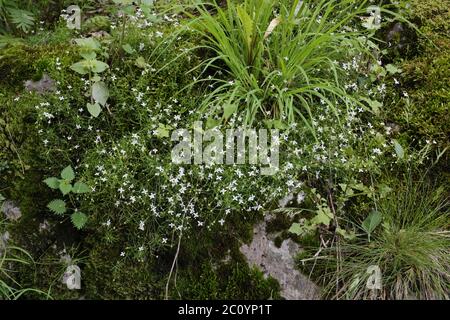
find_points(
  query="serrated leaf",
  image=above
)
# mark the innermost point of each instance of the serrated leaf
(80, 187)
(399, 149)
(100, 93)
(371, 222)
(79, 219)
(52, 182)
(57, 206)
(68, 174)
(65, 187)
(94, 109)
(296, 229)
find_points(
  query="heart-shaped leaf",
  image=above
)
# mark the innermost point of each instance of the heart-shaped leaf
(94, 109)
(100, 93)
(79, 219)
(57, 206)
(52, 182)
(65, 187)
(68, 174)
(80, 187)
(371, 222)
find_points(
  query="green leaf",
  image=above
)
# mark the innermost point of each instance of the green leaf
(296, 229)
(88, 44)
(324, 216)
(371, 222)
(2, 198)
(163, 131)
(98, 66)
(128, 48)
(94, 109)
(65, 187)
(68, 174)
(228, 110)
(80, 187)
(52, 182)
(247, 25)
(211, 123)
(57, 206)
(392, 69)
(140, 63)
(345, 234)
(100, 93)
(79, 219)
(21, 18)
(88, 55)
(80, 67)
(399, 149)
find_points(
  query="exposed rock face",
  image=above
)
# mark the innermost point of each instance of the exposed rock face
(46, 84)
(279, 263)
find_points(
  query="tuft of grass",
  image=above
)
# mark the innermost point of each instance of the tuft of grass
(411, 247)
(279, 58)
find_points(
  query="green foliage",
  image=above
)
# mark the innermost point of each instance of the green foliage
(66, 187)
(411, 247)
(371, 222)
(278, 67)
(20, 18)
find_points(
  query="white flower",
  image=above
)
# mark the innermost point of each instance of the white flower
(142, 225)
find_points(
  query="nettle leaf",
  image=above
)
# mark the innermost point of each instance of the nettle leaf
(79, 219)
(399, 149)
(57, 206)
(65, 187)
(229, 109)
(68, 174)
(371, 222)
(100, 93)
(52, 182)
(296, 229)
(94, 109)
(80, 187)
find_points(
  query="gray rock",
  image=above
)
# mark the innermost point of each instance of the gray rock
(279, 263)
(46, 84)
(11, 210)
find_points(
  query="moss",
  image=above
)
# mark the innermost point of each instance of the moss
(227, 281)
